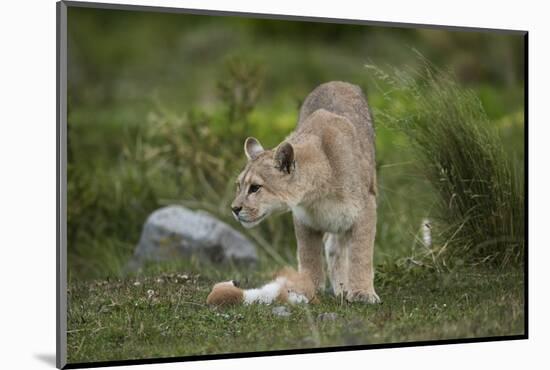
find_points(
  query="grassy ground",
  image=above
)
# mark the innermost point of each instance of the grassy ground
(164, 314)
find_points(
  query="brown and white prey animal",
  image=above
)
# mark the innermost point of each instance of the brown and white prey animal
(287, 286)
(324, 173)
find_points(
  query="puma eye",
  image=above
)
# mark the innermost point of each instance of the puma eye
(254, 188)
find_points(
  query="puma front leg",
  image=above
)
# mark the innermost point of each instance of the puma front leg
(360, 244)
(310, 253)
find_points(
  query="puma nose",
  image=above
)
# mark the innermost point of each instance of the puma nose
(236, 210)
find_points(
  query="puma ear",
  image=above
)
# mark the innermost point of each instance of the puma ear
(284, 157)
(252, 148)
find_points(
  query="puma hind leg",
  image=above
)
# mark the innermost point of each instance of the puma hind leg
(337, 263)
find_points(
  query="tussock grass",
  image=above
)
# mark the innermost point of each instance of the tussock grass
(480, 194)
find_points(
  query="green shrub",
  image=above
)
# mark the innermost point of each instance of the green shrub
(189, 158)
(480, 194)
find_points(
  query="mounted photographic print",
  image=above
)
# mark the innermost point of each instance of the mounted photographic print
(235, 185)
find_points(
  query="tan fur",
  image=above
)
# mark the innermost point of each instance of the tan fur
(225, 294)
(297, 282)
(324, 172)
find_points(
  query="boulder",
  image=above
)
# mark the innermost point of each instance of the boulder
(177, 232)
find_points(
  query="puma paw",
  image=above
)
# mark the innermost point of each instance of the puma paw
(369, 297)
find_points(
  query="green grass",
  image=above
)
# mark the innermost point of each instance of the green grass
(118, 319)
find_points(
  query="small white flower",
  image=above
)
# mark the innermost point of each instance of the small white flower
(150, 293)
(137, 283)
(427, 233)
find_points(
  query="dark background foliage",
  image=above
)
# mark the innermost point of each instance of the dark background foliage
(160, 104)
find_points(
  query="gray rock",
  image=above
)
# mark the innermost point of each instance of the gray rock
(327, 316)
(177, 232)
(280, 311)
